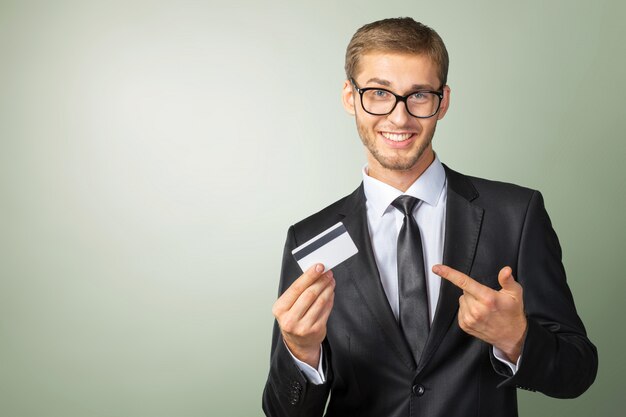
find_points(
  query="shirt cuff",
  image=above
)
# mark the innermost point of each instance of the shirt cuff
(499, 355)
(315, 376)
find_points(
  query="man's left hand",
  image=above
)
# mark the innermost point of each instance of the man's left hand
(496, 317)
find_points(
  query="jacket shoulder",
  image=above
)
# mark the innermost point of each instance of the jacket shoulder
(503, 190)
(316, 223)
(482, 190)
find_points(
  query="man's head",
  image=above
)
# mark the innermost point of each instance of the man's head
(398, 57)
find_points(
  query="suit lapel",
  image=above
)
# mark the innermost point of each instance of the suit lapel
(363, 271)
(463, 222)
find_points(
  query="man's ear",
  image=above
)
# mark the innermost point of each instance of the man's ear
(445, 103)
(347, 97)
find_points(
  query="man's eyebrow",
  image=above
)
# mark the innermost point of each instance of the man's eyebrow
(379, 81)
(414, 87)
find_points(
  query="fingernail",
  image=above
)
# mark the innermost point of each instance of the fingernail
(436, 269)
(319, 267)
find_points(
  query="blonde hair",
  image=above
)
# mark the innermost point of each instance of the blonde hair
(402, 34)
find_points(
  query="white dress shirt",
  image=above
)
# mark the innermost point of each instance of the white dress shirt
(385, 221)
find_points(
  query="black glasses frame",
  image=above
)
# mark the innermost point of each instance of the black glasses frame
(398, 98)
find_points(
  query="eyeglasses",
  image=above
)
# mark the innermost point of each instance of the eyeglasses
(379, 102)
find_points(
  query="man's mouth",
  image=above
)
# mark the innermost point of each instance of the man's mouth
(396, 137)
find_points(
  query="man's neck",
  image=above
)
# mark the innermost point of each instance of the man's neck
(399, 179)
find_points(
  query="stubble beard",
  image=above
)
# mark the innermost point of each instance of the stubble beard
(396, 162)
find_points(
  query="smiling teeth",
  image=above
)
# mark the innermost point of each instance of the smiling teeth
(396, 137)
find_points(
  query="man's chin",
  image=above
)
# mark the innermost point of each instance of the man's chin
(403, 162)
(397, 164)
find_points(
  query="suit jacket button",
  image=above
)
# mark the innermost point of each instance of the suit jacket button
(418, 390)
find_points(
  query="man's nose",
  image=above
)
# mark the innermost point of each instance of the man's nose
(399, 116)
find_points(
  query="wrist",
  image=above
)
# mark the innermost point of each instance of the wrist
(513, 350)
(307, 354)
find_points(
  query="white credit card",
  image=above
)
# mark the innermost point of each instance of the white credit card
(330, 248)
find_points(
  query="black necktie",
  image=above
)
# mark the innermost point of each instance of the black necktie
(414, 319)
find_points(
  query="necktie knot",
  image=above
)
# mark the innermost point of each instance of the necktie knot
(405, 203)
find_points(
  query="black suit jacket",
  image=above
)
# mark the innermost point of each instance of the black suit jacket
(369, 367)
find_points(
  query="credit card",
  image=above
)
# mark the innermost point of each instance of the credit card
(330, 248)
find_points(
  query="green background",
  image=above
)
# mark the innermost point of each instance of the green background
(153, 155)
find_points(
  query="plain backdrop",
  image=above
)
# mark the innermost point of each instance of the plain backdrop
(153, 155)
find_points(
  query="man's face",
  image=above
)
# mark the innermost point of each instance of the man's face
(397, 141)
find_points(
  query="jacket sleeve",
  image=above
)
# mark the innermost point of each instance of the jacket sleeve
(557, 357)
(287, 391)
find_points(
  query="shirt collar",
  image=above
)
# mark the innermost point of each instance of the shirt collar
(427, 187)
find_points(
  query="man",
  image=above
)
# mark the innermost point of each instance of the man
(457, 296)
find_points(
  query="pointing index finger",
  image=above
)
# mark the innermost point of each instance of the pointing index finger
(464, 282)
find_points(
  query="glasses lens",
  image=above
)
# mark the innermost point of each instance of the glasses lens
(423, 104)
(378, 101)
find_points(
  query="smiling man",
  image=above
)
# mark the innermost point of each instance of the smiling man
(457, 296)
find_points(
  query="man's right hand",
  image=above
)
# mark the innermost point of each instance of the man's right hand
(302, 312)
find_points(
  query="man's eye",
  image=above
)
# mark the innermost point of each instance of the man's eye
(380, 93)
(418, 96)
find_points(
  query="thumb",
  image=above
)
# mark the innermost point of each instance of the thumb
(315, 271)
(506, 280)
